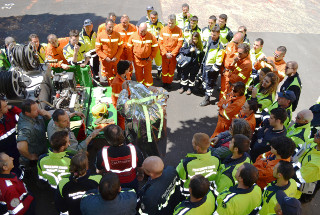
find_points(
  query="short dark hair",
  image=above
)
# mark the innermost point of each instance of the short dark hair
(194, 19)
(266, 70)
(213, 17)
(58, 139)
(280, 114)
(31, 36)
(114, 135)
(286, 169)
(155, 13)
(2, 99)
(223, 16)
(57, 113)
(199, 186)
(253, 105)
(239, 87)
(74, 33)
(111, 14)
(79, 164)
(245, 47)
(249, 174)
(260, 40)
(109, 186)
(284, 145)
(26, 105)
(215, 29)
(185, 5)
(242, 143)
(244, 28)
(241, 126)
(122, 66)
(282, 49)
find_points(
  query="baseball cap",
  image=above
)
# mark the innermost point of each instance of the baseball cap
(150, 8)
(289, 206)
(288, 95)
(87, 22)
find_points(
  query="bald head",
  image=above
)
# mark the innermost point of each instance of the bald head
(201, 141)
(143, 29)
(305, 115)
(238, 37)
(153, 166)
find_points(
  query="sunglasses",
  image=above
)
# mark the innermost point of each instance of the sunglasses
(276, 55)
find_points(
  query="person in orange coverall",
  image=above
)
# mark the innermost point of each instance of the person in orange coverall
(125, 29)
(123, 68)
(248, 111)
(276, 63)
(282, 148)
(170, 42)
(54, 51)
(230, 53)
(229, 107)
(143, 48)
(109, 47)
(240, 69)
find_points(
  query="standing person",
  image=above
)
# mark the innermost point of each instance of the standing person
(230, 107)
(109, 47)
(55, 51)
(199, 163)
(170, 42)
(192, 48)
(32, 141)
(243, 198)
(70, 190)
(88, 37)
(4, 53)
(211, 64)
(75, 52)
(293, 82)
(243, 29)
(283, 172)
(265, 92)
(201, 198)
(147, 17)
(183, 19)
(125, 29)
(276, 63)
(161, 194)
(143, 47)
(40, 48)
(8, 141)
(14, 198)
(226, 34)
(120, 158)
(256, 52)
(287, 205)
(206, 31)
(154, 27)
(111, 16)
(109, 197)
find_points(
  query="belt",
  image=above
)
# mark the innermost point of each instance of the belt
(143, 58)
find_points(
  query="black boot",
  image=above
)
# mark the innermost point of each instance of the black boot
(159, 74)
(206, 101)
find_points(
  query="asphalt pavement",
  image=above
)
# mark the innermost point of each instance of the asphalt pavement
(291, 23)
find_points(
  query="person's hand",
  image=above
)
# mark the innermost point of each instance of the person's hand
(192, 49)
(214, 140)
(250, 88)
(236, 59)
(44, 113)
(254, 92)
(108, 59)
(188, 15)
(169, 55)
(271, 63)
(83, 65)
(33, 157)
(65, 66)
(95, 133)
(76, 48)
(114, 59)
(77, 114)
(125, 84)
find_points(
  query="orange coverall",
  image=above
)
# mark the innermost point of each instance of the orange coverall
(170, 40)
(265, 164)
(250, 119)
(230, 53)
(142, 48)
(109, 46)
(241, 71)
(53, 53)
(280, 65)
(125, 35)
(234, 105)
(116, 89)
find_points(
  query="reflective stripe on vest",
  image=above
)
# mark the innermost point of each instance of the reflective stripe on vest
(133, 159)
(8, 134)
